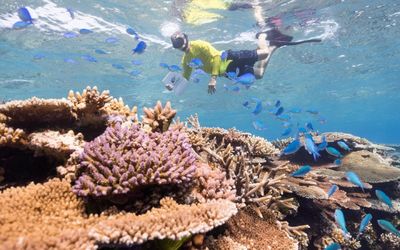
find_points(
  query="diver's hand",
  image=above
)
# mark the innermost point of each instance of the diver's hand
(212, 85)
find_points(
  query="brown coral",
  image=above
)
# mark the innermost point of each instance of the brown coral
(11, 137)
(159, 118)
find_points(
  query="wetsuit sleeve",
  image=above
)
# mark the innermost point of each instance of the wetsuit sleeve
(187, 71)
(215, 65)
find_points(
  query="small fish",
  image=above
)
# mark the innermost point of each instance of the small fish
(301, 171)
(259, 125)
(135, 72)
(337, 162)
(164, 65)
(258, 107)
(287, 131)
(295, 110)
(195, 63)
(283, 117)
(89, 58)
(174, 68)
(277, 103)
(131, 31)
(323, 144)
(302, 130)
(384, 198)
(71, 13)
(279, 111)
(69, 60)
(195, 79)
(235, 88)
(38, 56)
(353, 178)
(312, 111)
(140, 47)
(24, 15)
(332, 190)
(309, 126)
(199, 72)
(100, 52)
(111, 40)
(231, 75)
(246, 79)
(343, 145)
(70, 35)
(117, 66)
(20, 25)
(138, 62)
(340, 220)
(85, 31)
(246, 104)
(224, 55)
(333, 246)
(386, 225)
(364, 223)
(334, 152)
(311, 147)
(292, 148)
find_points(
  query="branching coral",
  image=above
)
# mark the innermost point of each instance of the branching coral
(159, 118)
(10, 136)
(124, 158)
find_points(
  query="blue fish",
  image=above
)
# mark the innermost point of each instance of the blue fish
(287, 131)
(138, 62)
(283, 117)
(231, 75)
(259, 125)
(111, 40)
(100, 52)
(199, 72)
(89, 58)
(20, 25)
(258, 106)
(311, 147)
(71, 13)
(312, 111)
(38, 56)
(224, 55)
(301, 171)
(246, 79)
(323, 144)
(309, 126)
(292, 148)
(140, 47)
(85, 31)
(386, 225)
(295, 110)
(277, 103)
(69, 60)
(135, 72)
(164, 65)
(384, 198)
(353, 178)
(117, 66)
(332, 190)
(24, 15)
(334, 152)
(246, 104)
(174, 68)
(302, 130)
(70, 35)
(278, 111)
(333, 246)
(195, 63)
(343, 145)
(340, 220)
(131, 31)
(364, 223)
(337, 162)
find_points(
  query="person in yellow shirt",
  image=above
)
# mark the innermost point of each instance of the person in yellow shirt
(241, 61)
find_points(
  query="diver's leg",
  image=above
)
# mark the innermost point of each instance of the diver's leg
(264, 53)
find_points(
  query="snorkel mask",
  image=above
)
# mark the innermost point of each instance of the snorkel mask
(180, 41)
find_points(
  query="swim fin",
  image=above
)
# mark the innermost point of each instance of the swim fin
(276, 38)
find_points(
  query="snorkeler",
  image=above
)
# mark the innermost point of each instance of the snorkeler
(217, 64)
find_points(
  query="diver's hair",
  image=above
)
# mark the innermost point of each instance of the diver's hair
(179, 40)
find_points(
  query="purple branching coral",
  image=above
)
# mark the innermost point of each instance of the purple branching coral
(124, 158)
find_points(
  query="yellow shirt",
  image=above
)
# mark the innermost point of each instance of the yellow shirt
(210, 57)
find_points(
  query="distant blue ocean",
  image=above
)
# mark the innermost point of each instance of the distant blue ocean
(350, 82)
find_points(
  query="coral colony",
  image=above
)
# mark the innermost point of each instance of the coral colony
(87, 173)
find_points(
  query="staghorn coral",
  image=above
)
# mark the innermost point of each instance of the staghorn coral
(124, 158)
(171, 220)
(35, 112)
(11, 137)
(159, 118)
(390, 241)
(349, 242)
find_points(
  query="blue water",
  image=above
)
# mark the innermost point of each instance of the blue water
(352, 78)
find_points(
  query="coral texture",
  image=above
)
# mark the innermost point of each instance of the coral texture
(124, 158)
(10, 136)
(159, 118)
